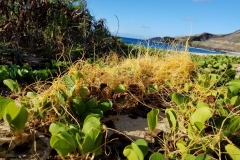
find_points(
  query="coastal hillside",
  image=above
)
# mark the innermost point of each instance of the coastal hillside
(225, 42)
(218, 42)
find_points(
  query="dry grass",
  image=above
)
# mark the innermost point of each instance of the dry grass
(138, 72)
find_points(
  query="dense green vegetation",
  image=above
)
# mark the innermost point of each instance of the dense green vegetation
(52, 29)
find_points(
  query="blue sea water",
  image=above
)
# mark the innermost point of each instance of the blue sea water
(166, 46)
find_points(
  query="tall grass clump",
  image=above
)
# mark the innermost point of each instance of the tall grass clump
(137, 78)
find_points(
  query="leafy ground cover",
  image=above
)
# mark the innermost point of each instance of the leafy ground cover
(64, 113)
(199, 96)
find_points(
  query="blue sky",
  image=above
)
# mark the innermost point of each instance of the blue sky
(159, 18)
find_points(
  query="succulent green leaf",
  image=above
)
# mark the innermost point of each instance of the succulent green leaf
(200, 126)
(69, 84)
(90, 104)
(4, 103)
(201, 115)
(91, 118)
(77, 75)
(201, 63)
(180, 100)
(57, 127)
(233, 151)
(157, 156)
(233, 87)
(152, 88)
(98, 114)
(181, 145)
(235, 100)
(143, 146)
(98, 142)
(202, 104)
(121, 88)
(93, 136)
(31, 94)
(61, 96)
(73, 129)
(63, 143)
(189, 157)
(105, 105)
(203, 157)
(79, 106)
(12, 85)
(87, 145)
(172, 119)
(234, 125)
(152, 118)
(16, 116)
(84, 92)
(138, 151)
(129, 153)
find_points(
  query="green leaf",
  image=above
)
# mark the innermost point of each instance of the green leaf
(230, 73)
(97, 145)
(69, 84)
(234, 125)
(93, 119)
(73, 129)
(16, 116)
(203, 157)
(61, 96)
(43, 74)
(57, 127)
(90, 104)
(77, 75)
(138, 151)
(202, 104)
(129, 153)
(4, 103)
(181, 145)
(233, 87)
(93, 134)
(157, 156)
(87, 145)
(63, 143)
(84, 92)
(152, 118)
(189, 157)
(31, 94)
(180, 100)
(235, 100)
(98, 114)
(233, 151)
(201, 63)
(200, 126)
(143, 146)
(79, 106)
(121, 88)
(105, 105)
(152, 88)
(3, 73)
(22, 72)
(172, 119)
(201, 115)
(12, 85)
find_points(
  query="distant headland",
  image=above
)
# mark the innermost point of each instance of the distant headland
(218, 42)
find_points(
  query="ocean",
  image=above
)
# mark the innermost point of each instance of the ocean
(166, 46)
